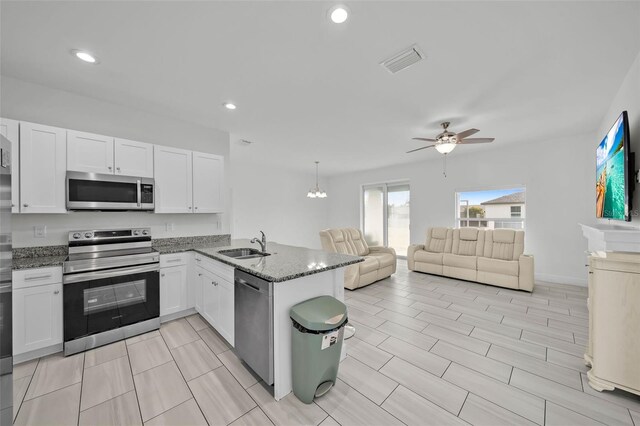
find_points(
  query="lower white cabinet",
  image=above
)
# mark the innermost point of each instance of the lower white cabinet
(173, 289)
(215, 295)
(37, 317)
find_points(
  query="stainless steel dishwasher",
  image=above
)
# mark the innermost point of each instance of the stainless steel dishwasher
(254, 323)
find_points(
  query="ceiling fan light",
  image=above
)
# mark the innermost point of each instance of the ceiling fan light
(445, 148)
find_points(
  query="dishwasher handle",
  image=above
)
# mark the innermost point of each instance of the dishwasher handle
(248, 284)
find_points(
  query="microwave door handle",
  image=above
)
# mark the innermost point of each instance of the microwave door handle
(139, 192)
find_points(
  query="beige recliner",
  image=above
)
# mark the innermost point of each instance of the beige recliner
(492, 256)
(379, 262)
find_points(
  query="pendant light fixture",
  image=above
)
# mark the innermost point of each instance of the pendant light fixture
(316, 192)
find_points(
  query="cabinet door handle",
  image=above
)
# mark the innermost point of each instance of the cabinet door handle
(56, 292)
(198, 260)
(37, 277)
(199, 275)
(162, 275)
(109, 167)
(25, 205)
(189, 207)
(196, 208)
(173, 260)
(118, 169)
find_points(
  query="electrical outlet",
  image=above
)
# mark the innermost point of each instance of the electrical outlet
(40, 231)
(169, 226)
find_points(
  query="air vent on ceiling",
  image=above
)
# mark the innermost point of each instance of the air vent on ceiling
(403, 60)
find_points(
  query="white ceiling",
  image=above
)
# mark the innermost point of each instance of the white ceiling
(308, 89)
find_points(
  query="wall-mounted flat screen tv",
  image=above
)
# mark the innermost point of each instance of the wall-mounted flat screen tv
(613, 183)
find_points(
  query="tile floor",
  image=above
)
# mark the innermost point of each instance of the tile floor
(428, 350)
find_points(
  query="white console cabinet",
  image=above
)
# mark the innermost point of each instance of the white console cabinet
(613, 351)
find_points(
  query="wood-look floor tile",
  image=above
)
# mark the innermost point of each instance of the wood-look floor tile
(368, 381)
(220, 397)
(349, 407)
(177, 333)
(635, 416)
(19, 390)
(506, 396)
(470, 343)
(412, 409)
(194, 359)
(427, 385)
(581, 402)
(148, 354)
(436, 310)
(55, 372)
(197, 322)
(452, 325)
(478, 411)
(367, 334)
(403, 333)
(396, 307)
(540, 329)
(487, 366)
(465, 309)
(551, 342)
(289, 410)
(625, 399)
(255, 417)
(427, 298)
(215, 342)
(242, 372)
(366, 353)
(121, 410)
(363, 306)
(59, 407)
(141, 337)
(24, 369)
(409, 322)
(421, 358)
(160, 389)
(563, 375)
(526, 348)
(186, 414)
(358, 294)
(106, 381)
(567, 360)
(329, 421)
(362, 317)
(104, 354)
(560, 416)
(505, 330)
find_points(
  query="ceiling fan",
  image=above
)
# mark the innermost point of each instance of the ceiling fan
(446, 141)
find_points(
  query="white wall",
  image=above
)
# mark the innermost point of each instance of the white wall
(274, 200)
(21, 100)
(628, 98)
(557, 174)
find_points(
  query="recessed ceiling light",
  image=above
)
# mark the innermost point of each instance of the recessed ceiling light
(229, 105)
(84, 56)
(338, 14)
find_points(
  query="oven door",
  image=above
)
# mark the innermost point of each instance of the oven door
(92, 191)
(100, 301)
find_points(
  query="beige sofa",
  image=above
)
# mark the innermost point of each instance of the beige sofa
(492, 256)
(379, 262)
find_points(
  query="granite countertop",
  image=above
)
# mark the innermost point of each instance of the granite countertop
(37, 262)
(285, 262)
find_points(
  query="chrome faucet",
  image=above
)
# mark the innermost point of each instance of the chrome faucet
(263, 242)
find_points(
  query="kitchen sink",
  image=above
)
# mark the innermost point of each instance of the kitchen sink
(243, 253)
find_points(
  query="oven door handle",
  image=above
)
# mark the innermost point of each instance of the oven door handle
(139, 192)
(97, 275)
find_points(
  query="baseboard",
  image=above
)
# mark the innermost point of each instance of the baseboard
(28, 356)
(176, 315)
(561, 279)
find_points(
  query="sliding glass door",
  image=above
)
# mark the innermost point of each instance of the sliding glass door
(385, 215)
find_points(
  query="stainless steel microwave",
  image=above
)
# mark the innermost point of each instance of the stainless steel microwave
(94, 191)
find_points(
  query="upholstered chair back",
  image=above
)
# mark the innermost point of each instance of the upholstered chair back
(504, 244)
(439, 240)
(468, 242)
(344, 241)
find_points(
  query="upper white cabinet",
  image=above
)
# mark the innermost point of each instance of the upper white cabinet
(208, 175)
(87, 152)
(43, 158)
(90, 153)
(133, 158)
(9, 129)
(173, 179)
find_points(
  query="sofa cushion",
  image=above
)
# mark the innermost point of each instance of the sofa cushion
(469, 234)
(458, 261)
(437, 239)
(355, 238)
(427, 257)
(385, 259)
(370, 264)
(497, 266)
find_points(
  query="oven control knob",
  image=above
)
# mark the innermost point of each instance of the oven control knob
(145, 232)
(76, 235)
(136, 232)
(88, 235)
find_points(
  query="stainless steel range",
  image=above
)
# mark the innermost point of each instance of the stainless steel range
(111, 287)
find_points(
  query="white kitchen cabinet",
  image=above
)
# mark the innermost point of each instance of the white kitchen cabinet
(173, 289)
(196, 287)
(209, 297)
(37, 317)
(225, 320)
(88, 152)
(9, 129)
(173, 180)
(208, 181)
(43, 165)
(217, 306)
(133, 158)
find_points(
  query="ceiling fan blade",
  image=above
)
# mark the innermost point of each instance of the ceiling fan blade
(418, 149)
(466, 133)
(476, 140)
(424, 139)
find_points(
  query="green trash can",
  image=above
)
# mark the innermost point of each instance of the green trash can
(316, 344)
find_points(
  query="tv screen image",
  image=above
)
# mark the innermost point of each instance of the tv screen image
(611, 185)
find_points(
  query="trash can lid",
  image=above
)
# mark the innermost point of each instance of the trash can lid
(320, 313)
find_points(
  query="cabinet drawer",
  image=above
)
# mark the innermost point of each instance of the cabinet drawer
(223, 270)
(175, 259)
(35, 277)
